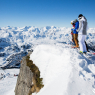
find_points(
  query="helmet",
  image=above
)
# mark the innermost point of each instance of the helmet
(80, 16)
(72, 22)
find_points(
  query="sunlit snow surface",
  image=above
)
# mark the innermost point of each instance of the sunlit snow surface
(63, 69)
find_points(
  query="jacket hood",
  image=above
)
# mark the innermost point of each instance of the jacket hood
(82, 19)
(75, 21)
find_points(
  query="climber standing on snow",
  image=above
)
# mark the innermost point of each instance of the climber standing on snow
(72, 32)
(75, 33)
(82, 32)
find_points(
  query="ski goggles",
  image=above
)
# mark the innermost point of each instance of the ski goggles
(79, 18)
(72, 23)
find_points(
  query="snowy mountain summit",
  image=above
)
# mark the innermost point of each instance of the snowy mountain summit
(63, 69)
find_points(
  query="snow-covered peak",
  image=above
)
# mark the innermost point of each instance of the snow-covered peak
(52, 54)
(64, 70)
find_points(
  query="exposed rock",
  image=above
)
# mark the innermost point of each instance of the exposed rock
(14, 60)
(26, 46)
(2, 54)
(29, 80)
(24, 81)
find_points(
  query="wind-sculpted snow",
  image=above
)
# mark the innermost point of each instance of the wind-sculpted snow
(64, 70)
(16, 39)
(61, 66)
(27, 35)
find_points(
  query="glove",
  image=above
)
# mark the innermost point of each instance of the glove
(71, 30)
(77, 30)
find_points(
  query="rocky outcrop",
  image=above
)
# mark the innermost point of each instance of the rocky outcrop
(29, 80)
(24, 81)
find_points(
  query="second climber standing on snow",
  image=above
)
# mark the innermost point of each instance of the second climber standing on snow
(75, 33)
(82, 32)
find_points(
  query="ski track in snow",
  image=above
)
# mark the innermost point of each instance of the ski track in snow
(52, 46)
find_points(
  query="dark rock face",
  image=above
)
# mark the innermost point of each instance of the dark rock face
(91, 46)
(2, 54)
(14, 60)
(24, 81)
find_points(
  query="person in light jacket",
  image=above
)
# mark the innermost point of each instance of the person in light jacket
(82, 32)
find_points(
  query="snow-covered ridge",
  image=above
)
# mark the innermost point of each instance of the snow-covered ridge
(28, 34)
(15, 40)
(64, 70)
(50, 43)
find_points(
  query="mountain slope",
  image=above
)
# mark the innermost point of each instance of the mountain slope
(54, 56)
(64, 71)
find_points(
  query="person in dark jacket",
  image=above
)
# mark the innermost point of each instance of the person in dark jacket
(72, 32)
(76, 33)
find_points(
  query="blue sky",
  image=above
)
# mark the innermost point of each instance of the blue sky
(41, 13)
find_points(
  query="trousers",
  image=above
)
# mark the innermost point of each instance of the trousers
(82, 45)
(76, 40)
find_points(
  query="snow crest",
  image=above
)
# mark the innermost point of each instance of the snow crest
(64, 71)
(54, 65)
